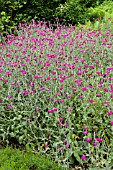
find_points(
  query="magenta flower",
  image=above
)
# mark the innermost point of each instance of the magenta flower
(83, 157)
(1, 70)
(90, 87)
(61, 118)
(48, 78)
(59, 124)
(12, 103)
(36, 108)
(109, 113)
(98, 139)
(98, 95)
(42, 88)
(66, 146)
(86, 71)
(54, 78)
(69, 109)
(88, 139)
(5, 81)
(62, 80)
(111, 91)
(31, 85)
(61, 88)
(58, 94)
(91, 101)
(64, 140)
(111, 96)
(40, 62)
(9, 107)
(46, 145)
(60, 149)
(80, 96)
(85, 127)
(54, 109)
(53, 72)
(84, 89)
(106, 103)
(98, 72)
(17, 87)
(50, 111)
(23, 71)
(92, 67)
(79, 73)
(86, 65)
(94, 143)
(79, 84)
(106, 90)
(62, 100)
(35, 115)
(13, 83)
(66, 124)
(8, 73)
(108, 46)
(111, 122)
(40, 76)
(8, 55)
(54, 155)
(9, 97)
(35, 76)
(26, 92)
(68, 96)
(82, 60)
(79, 68)
(56, 101)
(74, 89)
(85, 132)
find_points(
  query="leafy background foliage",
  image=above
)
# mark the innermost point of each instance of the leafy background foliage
(14, 12)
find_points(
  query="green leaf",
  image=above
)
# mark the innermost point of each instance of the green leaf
(21, 138)
(24, 123)
(107, 140)
(71, 159)
(12, 134)
(4, 136)
(103, 152)
(76, 143)
(27, 147)
(3, 13)
(20, 6)
(77, 157)
(56, 143)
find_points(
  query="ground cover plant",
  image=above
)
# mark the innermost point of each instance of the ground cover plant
(56, 93)
(15, 159)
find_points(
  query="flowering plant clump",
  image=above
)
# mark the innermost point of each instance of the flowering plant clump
(56, 93)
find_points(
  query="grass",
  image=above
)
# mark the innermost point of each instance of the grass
(56, 94)
(14, 159)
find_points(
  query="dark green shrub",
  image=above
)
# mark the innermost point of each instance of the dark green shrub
(72, 12)
(9, 9)
(90, 3)
(13, 12)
